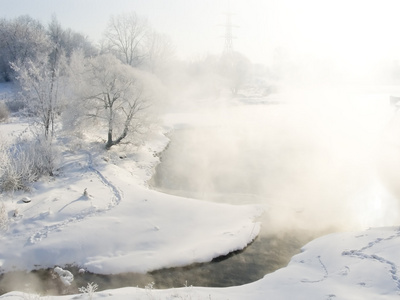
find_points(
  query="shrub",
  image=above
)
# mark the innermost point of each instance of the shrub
(4, 112)
(46, 158)
(25, 162)
(3, 218)
(17, 170)
(90, 289)
(15, 105)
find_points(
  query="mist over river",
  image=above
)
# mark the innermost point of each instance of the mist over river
(317, 161)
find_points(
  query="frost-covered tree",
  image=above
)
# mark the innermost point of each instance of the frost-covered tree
(21, 39)
(67, 41)
(115, 94)
(235, 68)
(24, 38)
(125, 37)
(42, 83)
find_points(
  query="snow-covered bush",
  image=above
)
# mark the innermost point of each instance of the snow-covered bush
(66, 276)
(32, 297)
(25, 162)
(15, 104)
(17, 170)
(149, 288)
(4, 112)
(3, 218)
(46, 157)
(90, 289)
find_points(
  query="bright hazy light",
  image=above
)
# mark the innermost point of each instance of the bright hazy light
(351, 32)
(352, 36)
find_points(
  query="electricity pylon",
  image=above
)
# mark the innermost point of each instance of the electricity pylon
(228, 46)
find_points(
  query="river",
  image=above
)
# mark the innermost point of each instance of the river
(311, 162)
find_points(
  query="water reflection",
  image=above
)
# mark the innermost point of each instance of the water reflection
(265, 255)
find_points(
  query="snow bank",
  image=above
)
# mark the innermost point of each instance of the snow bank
(354, 265)
(99, 215)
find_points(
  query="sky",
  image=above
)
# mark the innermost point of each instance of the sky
(349, 31)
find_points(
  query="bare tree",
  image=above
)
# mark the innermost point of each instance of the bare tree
(115, 93)
(125, 37)
(159, 51)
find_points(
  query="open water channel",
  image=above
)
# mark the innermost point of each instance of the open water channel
(308, 165)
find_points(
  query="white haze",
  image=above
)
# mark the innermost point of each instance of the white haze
(349, 33)
(319, 159)
(323, 156)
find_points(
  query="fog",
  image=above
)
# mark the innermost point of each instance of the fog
(320, 159)
(319, 148)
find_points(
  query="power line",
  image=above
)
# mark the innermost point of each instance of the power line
(228, 36)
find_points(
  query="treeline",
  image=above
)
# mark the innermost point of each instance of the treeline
(25, 39)
(129, 37)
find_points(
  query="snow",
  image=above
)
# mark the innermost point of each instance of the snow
(66, 276)
(121, 226)
(352, 265)
(99, 214)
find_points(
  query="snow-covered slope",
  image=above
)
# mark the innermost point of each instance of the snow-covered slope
(97, 215)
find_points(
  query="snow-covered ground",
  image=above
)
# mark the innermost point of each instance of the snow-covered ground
(99, 214)
(120, 225)
(356, 265)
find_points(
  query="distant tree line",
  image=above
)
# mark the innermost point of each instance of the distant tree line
(25, 39)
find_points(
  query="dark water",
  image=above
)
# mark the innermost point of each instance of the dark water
(265, 255)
